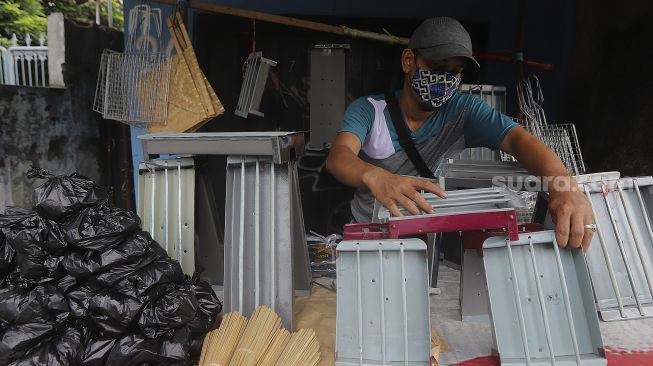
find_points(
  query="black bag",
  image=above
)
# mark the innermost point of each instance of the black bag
(136, 350)
(42, 304)
(15, 340)
(100, 227)
(61, 349)
(132, 254)
(63, 195)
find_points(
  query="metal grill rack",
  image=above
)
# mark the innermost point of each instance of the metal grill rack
(561, 138)
(257, 68)
(133, 86)
(457, 174)
(532, 285)
(383, 304)
(620, 257)
(466, 200)
(463, 174)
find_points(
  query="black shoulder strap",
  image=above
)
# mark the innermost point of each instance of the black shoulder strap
(405, 140)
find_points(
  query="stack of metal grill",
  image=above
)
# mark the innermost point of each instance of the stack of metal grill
(561, 138)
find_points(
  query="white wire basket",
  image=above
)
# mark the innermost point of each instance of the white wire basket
(133, 86)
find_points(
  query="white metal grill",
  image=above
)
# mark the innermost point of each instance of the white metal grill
(257, 68)
(133, 86)
(532, 285)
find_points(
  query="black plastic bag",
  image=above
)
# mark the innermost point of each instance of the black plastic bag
(208, 308)
(7, 258)
(96, 351)
(134, 350)
(42, 304)
(15, 340)
(100, 227)
(176, 307)
(208, 301)
(13, 215)
(63, 195)
(112, 310)
(78, 299)
(134, 253)
(38, 244)
(148, 281)
(62, 349)
(65, 283)
(35, 229)
(90, 288)
(111, 313)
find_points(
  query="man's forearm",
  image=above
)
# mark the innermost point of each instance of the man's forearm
(348, 168)
(538, 159)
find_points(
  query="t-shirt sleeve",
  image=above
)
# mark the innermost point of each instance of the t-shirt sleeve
(485, 126)
(358, 118)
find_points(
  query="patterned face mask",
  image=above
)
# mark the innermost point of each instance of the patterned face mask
(434, 87)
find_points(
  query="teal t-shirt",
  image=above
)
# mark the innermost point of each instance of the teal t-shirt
(484, 126)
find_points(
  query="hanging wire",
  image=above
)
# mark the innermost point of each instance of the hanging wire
(253, 53)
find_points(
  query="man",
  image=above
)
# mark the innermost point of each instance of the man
(368, 154)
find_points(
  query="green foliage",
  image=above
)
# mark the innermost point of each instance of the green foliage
(21, 17)
(84, 10)
(30, 16)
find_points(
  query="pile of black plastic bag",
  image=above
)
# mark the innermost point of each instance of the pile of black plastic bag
(82, 284)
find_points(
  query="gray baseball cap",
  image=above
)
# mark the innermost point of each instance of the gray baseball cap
(442, 37)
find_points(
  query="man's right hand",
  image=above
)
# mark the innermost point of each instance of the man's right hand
(394, 190)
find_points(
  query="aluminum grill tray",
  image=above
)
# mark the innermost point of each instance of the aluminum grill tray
(462, 201)
(620, 257)
(541, 303)
(455, 174)
(383, 303)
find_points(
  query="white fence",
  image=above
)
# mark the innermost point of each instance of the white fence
(24, 65)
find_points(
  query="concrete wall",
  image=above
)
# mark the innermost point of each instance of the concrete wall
(56, 128)
(37, 128)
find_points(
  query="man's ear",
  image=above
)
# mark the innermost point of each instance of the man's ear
(407, 60)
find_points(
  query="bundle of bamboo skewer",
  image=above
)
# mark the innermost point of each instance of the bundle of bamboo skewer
(219, 345)
(260, 341)
(303, 349)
